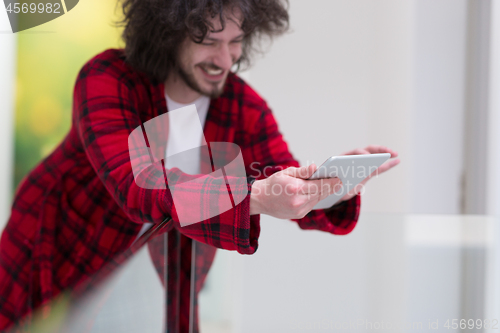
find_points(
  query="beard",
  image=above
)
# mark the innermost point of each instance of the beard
(190, 80)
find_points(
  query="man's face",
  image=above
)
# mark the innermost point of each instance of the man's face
(204, 67)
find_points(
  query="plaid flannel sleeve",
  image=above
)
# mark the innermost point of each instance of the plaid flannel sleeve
(105, 115)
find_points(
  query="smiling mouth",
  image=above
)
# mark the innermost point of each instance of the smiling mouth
(212, 71)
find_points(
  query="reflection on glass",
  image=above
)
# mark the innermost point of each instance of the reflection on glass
(394, 273)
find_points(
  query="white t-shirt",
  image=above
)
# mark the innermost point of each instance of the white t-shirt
(185, 132)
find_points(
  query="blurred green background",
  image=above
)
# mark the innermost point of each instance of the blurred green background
(49, 58)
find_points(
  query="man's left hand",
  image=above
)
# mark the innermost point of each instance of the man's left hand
(372, 149)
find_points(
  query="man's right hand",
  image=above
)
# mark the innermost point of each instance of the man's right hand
(288, 194)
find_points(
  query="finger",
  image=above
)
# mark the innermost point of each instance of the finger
(290, 171)
(304, 172)
(334, 186)
(388, 165)
(329, 186)
(350, 152)
(321, 187)
(359, 188)
(377, 149)
(383, 168)
(313, 199)
(312, 169)
(326, 183)
(311, 187)
(357, 151)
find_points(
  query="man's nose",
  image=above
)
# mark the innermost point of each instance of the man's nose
(224, 58)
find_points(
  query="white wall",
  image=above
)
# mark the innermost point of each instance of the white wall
(7, 91)
(341, 80)
(354, 73)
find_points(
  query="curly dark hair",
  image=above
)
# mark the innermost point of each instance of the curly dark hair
(154, 29)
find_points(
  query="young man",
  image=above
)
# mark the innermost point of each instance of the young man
(82, 207)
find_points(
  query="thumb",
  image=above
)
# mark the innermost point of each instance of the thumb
(303, 172)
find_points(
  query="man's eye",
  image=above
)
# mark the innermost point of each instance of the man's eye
(237, 41)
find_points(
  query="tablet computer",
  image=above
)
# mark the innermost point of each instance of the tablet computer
(351, 169)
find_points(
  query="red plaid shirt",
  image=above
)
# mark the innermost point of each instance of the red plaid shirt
(80, 207)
